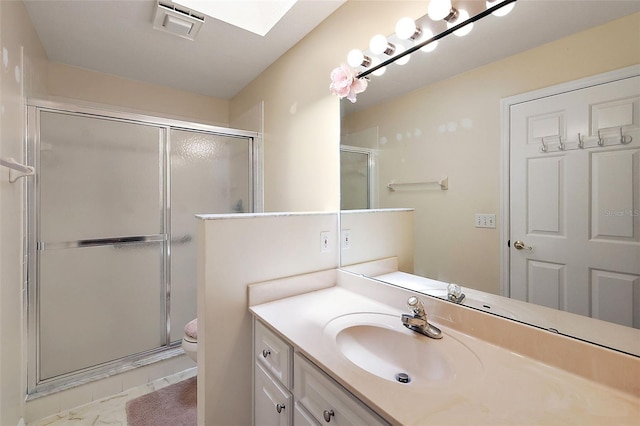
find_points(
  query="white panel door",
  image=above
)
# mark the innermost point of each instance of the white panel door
(575, 201)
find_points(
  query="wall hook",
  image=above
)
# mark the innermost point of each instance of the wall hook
(580, 141)
(543, 148)
(600, 139)
(625, 139)
(561, 145)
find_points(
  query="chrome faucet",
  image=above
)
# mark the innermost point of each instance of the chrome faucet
(454, 293)
(418, 321)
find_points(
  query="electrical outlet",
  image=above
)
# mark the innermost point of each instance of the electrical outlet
(346, 238)
(324, 241)
(485, 220)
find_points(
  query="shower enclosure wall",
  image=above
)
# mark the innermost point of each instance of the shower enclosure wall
(111, 253)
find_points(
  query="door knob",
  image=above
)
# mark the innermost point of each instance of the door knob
(520, 245)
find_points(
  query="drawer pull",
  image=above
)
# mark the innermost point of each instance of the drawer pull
(266, 352)
(327, 415)
(279, 408)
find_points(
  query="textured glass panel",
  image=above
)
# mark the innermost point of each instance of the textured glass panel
(209, 174)
(98, 178)
(98, 304)
(354, 180)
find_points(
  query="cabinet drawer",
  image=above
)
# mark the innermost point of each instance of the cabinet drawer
(326, 400)
(273, 353)
(273, 403)
(301, 417)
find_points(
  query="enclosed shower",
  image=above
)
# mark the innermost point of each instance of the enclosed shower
(110, 247)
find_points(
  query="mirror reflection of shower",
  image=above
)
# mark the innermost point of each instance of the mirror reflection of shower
(357, 178)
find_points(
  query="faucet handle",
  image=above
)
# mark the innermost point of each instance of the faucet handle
(415, 306)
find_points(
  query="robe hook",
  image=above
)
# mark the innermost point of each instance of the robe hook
(543, 148)
(625, 139)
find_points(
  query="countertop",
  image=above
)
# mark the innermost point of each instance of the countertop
(509, 388)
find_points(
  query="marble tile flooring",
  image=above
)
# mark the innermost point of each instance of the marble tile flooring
(109, 410)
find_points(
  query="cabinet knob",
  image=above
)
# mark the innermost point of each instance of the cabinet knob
(279, 408)
(266, 352)
(327, 415)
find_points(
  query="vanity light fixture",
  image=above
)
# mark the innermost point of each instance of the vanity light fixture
(404, 59)
(427, 34)
(379, 70)
(356, 58)
(442, 9)
(500, 12)
(463, 15)
(457, 21)
(406, 29)
(379, 45)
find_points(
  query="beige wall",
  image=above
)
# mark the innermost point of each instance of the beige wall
(234, 251)
(302, 128)
(23, 75)
(367, 228)
(448, 247)
(67, 82)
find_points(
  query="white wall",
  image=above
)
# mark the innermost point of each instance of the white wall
(235, 251)
(21, 76)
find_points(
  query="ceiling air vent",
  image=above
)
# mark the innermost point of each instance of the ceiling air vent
(177, 20)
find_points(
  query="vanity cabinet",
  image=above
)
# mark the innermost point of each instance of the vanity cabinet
(290, 390)
(326, 400)
(273, 404)
(272, 398)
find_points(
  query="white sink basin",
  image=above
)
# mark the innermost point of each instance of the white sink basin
(381, 345)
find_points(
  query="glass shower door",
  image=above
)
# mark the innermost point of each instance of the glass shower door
(210, 173)
(100, 242)
(354, 179)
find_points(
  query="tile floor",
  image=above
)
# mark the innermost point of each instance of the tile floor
(110, 410)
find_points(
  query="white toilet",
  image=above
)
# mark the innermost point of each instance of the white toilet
(190, 339)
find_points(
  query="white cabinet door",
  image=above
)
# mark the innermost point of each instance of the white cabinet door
(273, 353)
(273, 403)
(575, 201)
(301, 417)
(326, 400)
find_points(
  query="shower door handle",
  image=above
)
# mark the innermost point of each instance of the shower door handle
(98, 242)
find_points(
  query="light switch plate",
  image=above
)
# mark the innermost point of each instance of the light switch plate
(484, 220)
(324, 241)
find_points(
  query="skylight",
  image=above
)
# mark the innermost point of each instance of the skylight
(257, 16)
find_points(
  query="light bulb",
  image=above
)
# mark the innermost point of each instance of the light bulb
(356, 58)
(463, 15)
(426, 35)
(379, 45)
(405, 58)
(406, 29)
(439, 9)
(379, 72)
(503, 10)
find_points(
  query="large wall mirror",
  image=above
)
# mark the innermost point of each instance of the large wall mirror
(435, 136)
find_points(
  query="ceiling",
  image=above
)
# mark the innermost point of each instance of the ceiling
(117, 37)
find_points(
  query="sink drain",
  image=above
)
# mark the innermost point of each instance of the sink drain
(403, 378)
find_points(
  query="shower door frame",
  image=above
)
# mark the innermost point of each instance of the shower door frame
(37, 387)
